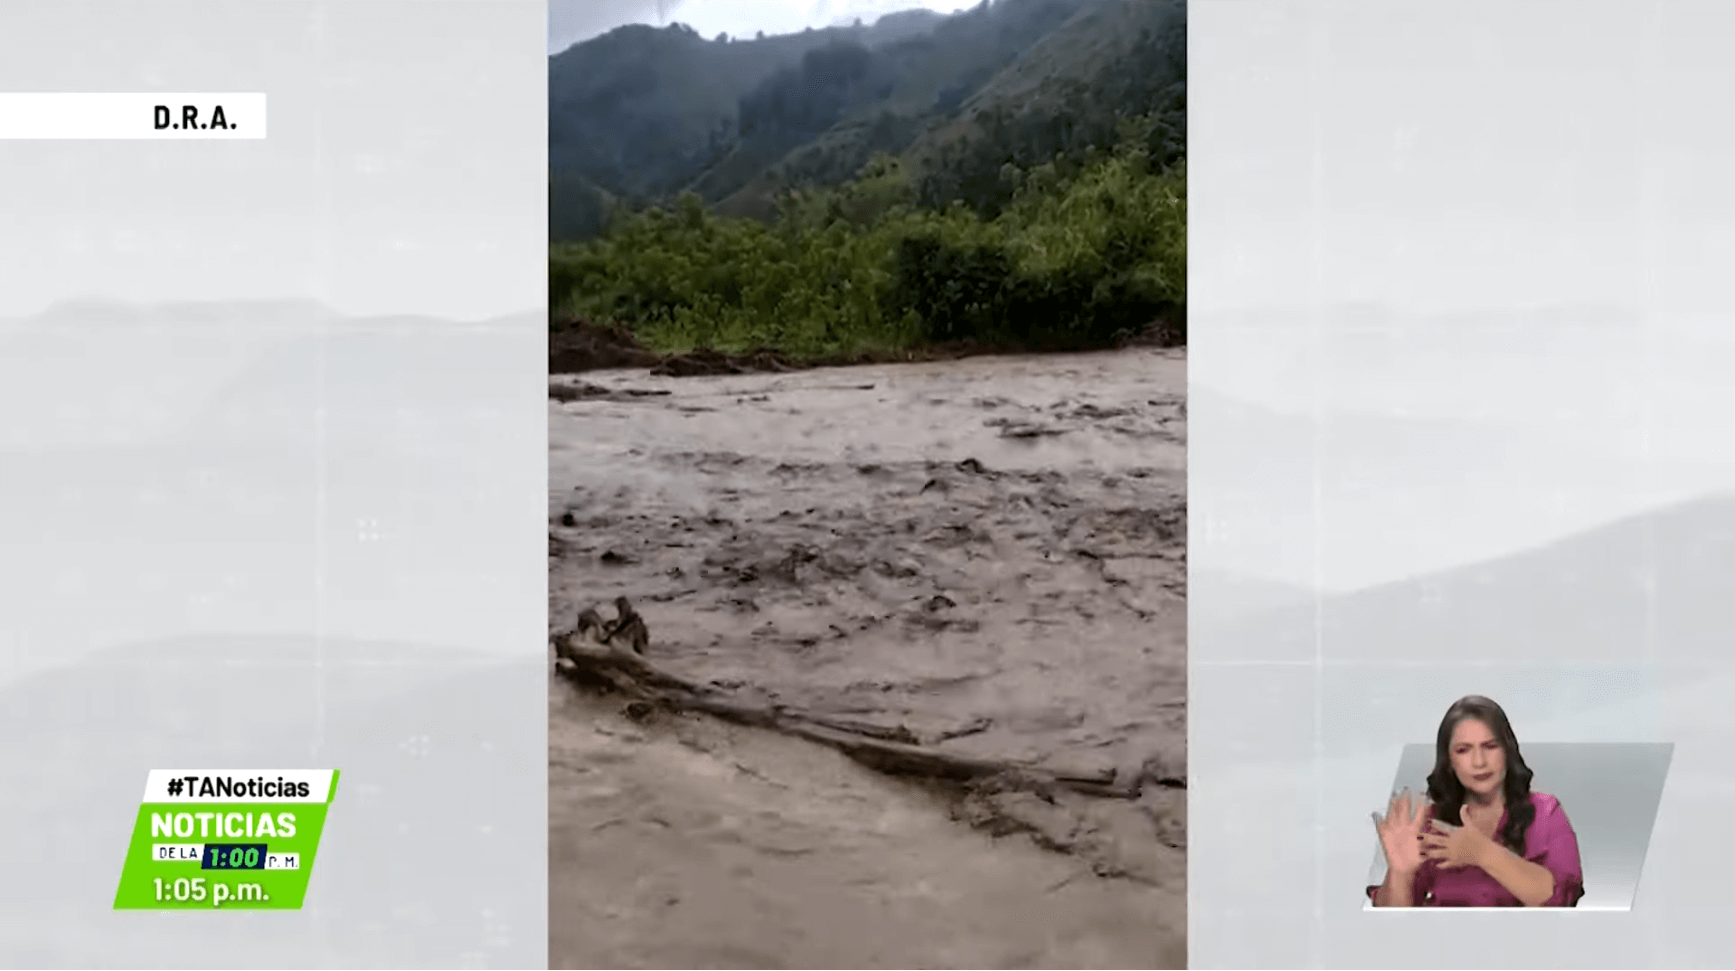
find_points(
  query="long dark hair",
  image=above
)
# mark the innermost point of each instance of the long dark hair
(1446, 791)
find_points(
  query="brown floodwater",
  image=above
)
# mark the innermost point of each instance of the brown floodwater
(989, 552)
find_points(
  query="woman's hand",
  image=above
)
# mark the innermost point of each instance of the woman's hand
(1455, 846)
(1401, 832)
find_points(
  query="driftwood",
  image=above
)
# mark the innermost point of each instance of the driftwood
(589, 657)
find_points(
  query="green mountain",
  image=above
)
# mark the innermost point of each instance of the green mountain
(642, 114)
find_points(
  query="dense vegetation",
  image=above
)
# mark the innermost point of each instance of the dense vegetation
(639, 114)
(1084, 250)
(1013, 175)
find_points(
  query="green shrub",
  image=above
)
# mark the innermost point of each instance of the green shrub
(1084, 251)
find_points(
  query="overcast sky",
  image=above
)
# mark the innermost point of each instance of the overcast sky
(570, 21)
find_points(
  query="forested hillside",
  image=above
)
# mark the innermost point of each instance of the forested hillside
(641, 114)
(1012, 173)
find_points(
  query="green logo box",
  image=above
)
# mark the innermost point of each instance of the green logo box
(225, 839)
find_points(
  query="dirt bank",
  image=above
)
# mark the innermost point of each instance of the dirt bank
(578, 345)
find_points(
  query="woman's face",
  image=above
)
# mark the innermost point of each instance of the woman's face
(1477, 757)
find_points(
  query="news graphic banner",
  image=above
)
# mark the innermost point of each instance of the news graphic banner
(56, 116)
(225, 839)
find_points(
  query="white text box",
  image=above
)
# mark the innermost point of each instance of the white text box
(80, 115)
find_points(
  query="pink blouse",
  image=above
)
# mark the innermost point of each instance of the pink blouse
(1549, 842)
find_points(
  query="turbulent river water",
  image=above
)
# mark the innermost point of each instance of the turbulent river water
(989, 553)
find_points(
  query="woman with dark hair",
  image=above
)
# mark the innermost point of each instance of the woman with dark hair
(1482, 838)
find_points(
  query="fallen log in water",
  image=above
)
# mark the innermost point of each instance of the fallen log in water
(895, 751)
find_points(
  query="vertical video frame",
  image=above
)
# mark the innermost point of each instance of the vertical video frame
(867, 438)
